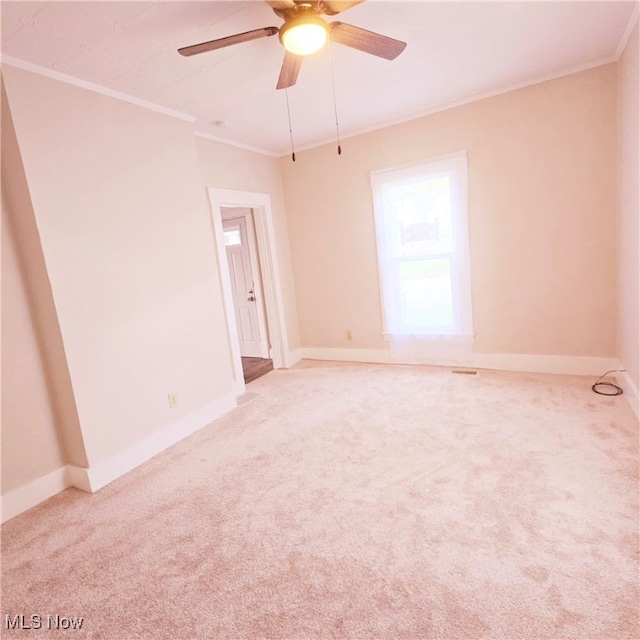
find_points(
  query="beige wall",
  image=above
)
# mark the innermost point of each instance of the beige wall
(116, 223)
(126, 237)
(40, 428)
(30, 443)
(629, 194)
(542, 209)
(226, 167)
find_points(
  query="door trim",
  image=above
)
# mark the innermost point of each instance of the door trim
(260, 203)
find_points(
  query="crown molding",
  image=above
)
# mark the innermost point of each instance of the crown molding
(445, 106)
(627, 32)
(238, 145)
(96, 88)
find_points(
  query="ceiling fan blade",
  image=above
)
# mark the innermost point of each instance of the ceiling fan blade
(211, 45)
(289, 72)
(280, 5)
(332, 7)
(367, 41)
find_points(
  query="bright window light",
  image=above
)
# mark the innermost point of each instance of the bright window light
(424, 260)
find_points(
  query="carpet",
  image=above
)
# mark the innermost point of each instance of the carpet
(355, 501)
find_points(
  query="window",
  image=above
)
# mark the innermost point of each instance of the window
(423, 255)
(232, 238)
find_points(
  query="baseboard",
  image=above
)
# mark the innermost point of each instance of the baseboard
(293, 357)
(78, 477)
(374, 356)
(90, 480)
(566, 365)
(102, 474)
(24, 498)
(630, 391)
(571, 365)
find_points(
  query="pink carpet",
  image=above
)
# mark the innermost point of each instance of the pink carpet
(356, 502)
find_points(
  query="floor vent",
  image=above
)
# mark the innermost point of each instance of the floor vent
(466, 372)
(248, 397)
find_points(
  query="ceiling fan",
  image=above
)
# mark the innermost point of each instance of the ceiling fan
(304, 32)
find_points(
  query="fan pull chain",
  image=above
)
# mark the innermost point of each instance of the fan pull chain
(335, 108)
(293, 153)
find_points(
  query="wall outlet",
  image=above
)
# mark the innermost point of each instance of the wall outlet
(173, 400)
(349, 334)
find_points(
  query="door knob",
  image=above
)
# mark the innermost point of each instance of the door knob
(251, 299)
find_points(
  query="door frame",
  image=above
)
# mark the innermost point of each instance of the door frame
(260, 204)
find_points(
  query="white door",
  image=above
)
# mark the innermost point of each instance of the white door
(243, 287)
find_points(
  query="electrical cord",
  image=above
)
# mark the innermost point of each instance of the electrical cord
(617, 391)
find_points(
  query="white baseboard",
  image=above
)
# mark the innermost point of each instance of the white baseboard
(566, 365)
(90, 480)
(630, 391)
(102, 474)
(24, 498)
(375, 356)
(571, 365)
(78, 477)
(292, 358)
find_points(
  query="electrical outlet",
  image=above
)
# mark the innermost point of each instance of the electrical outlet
(349, 334)
(173, 400)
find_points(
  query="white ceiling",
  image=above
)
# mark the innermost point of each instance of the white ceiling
(456, 51)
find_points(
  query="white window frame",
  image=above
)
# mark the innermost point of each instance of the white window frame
(455, 165)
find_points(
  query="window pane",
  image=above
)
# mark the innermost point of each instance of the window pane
(426, 301)
(232, 238)
(422, 212)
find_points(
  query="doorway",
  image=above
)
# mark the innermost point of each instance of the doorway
(259, 205)
(246, 290)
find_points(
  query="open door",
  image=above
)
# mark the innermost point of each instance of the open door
(246, 282)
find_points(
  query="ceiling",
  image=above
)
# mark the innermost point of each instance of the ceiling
(456, 52)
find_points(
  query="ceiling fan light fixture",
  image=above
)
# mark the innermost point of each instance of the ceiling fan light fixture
(303, 38)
